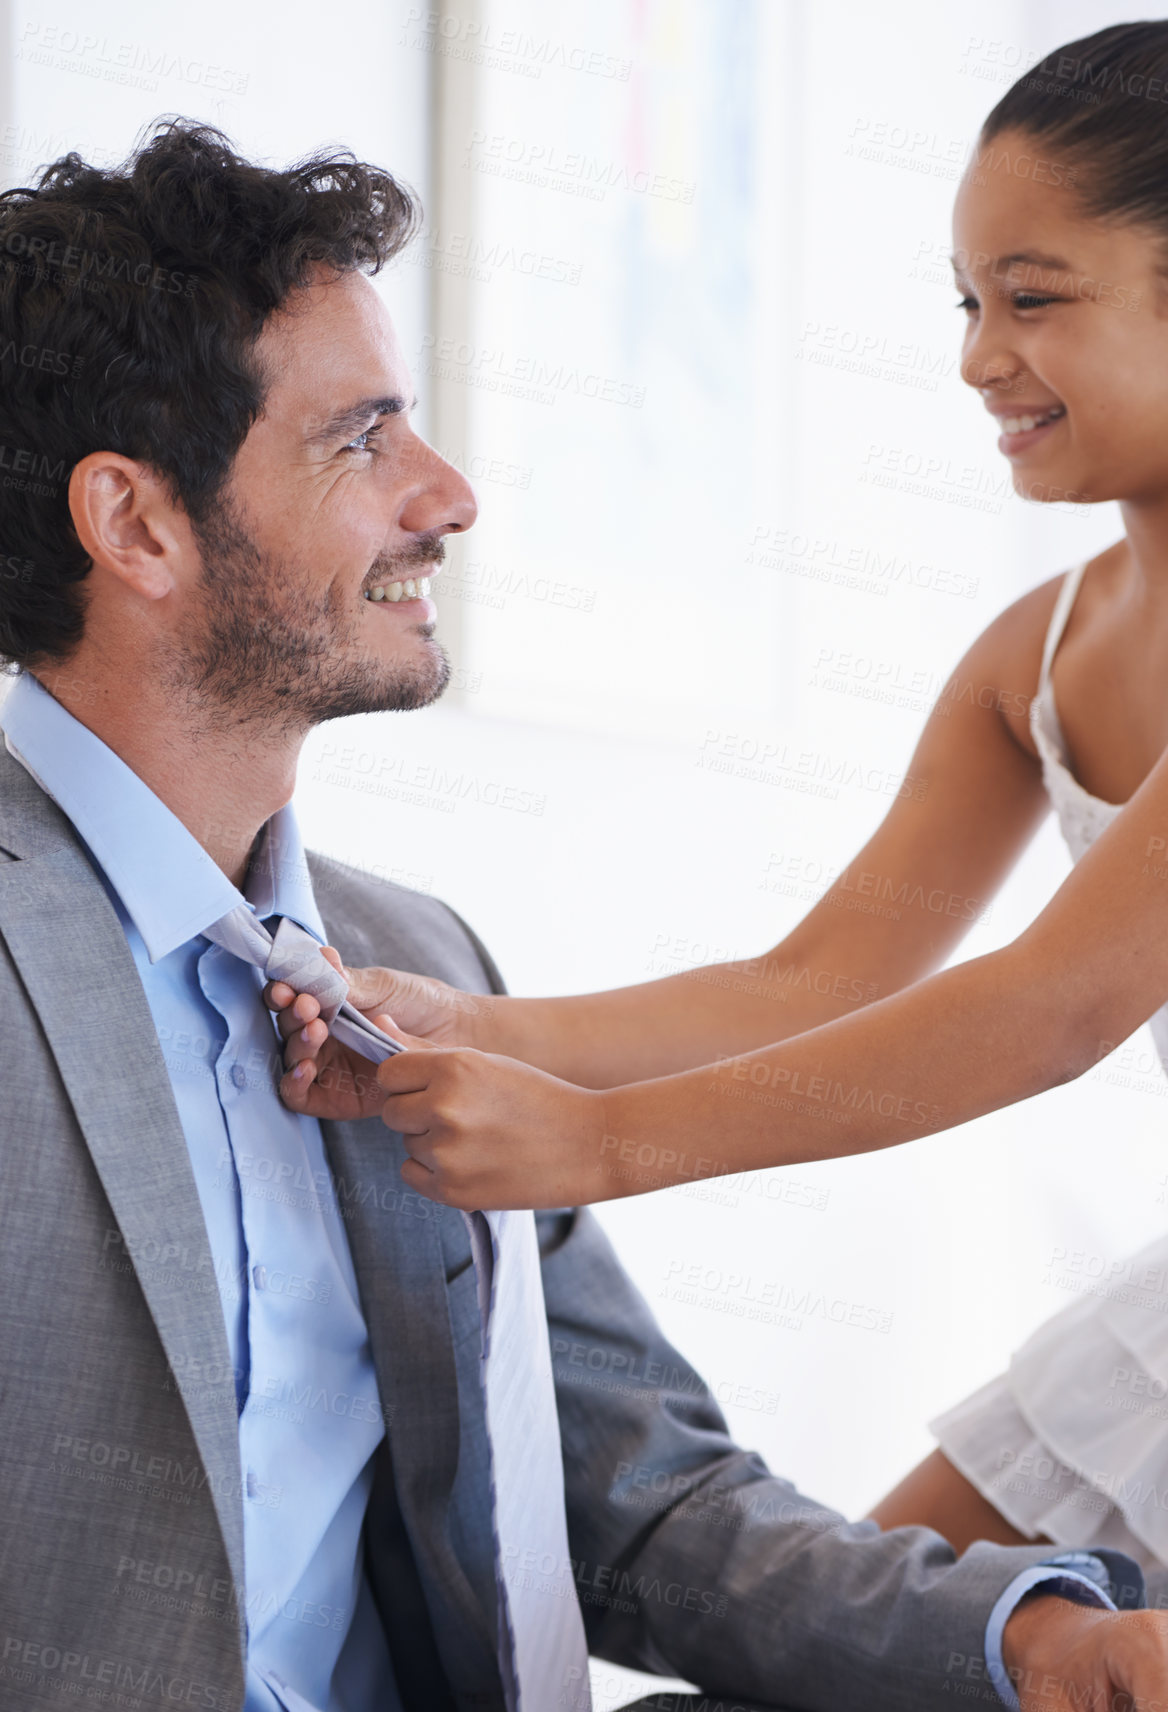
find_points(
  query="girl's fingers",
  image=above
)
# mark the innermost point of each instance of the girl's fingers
(296, 1084)
(409, 1114)
(406, 1072)
(418, 1177)
(412, 1042)
(292, 1017)
(305, 1043)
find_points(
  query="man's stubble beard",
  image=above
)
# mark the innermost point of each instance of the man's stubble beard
(270, 651)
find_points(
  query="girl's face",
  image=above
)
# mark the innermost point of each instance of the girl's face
(1066, 329)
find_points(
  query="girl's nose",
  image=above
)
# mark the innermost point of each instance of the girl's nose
(997, 372)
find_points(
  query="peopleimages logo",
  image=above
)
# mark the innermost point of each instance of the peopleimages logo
(96, 265)
(531, 377)
(131, 63)
(549, 166)
(481, 41)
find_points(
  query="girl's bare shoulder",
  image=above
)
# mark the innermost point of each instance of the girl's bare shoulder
(1011, 647)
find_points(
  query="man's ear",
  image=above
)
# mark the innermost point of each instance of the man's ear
(128, 522)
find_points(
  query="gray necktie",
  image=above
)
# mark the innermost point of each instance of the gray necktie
(543, 1655)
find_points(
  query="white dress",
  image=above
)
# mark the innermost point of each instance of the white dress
(1071, 1442)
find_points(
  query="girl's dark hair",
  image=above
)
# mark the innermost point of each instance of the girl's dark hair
(131, 299)
(1103, 103)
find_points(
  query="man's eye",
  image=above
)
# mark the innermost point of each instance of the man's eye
(358, 445)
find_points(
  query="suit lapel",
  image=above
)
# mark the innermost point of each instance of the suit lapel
(399, 1261)
(68, 944)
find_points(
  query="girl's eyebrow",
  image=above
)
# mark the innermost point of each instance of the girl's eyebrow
(1034, 258)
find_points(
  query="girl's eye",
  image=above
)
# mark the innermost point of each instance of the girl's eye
(1022, 300)
(365, 435)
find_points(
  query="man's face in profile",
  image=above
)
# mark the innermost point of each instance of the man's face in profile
(308, 606)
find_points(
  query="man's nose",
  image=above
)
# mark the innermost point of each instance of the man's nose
(441, 500)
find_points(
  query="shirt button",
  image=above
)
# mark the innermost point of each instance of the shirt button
(259, 1276)
(239, 1075)
(253, 1484)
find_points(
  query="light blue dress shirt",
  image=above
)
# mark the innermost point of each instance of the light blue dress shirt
(310, 1416)
(1078, 1576)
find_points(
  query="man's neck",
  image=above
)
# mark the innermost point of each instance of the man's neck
(224, 784)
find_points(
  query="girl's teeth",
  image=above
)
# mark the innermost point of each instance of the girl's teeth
(1023, 424)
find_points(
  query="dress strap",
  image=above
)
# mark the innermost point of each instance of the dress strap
(1058, 619)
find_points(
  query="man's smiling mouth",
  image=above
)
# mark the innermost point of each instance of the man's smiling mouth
(414, 588)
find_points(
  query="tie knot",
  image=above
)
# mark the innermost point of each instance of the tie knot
(291, 955)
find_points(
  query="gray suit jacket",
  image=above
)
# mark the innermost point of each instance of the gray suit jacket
(121, 1533)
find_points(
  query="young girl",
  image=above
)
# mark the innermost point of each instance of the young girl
(1061, 256)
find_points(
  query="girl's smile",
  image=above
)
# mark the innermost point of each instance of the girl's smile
(1025, 426)
(1066, 337)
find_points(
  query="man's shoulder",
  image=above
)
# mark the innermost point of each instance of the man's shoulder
(31, 824)
(372, 920)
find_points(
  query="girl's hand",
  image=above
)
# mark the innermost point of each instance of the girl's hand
(434, 1010)
(422, 1006)
(322, 1078)
(489, 1132)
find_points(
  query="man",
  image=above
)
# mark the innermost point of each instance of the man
(246, 1458)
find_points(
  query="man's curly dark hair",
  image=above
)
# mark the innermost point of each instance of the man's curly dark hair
(131, 299)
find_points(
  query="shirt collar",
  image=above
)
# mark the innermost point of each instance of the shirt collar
(168, 884)
(278, 881)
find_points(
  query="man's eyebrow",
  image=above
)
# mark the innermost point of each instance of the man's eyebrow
(1034, 258)
(354, 417)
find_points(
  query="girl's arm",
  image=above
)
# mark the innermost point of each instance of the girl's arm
(486, 1131)
(972, 800)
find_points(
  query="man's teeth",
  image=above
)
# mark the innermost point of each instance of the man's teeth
(412, 589)
(1023, 424)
